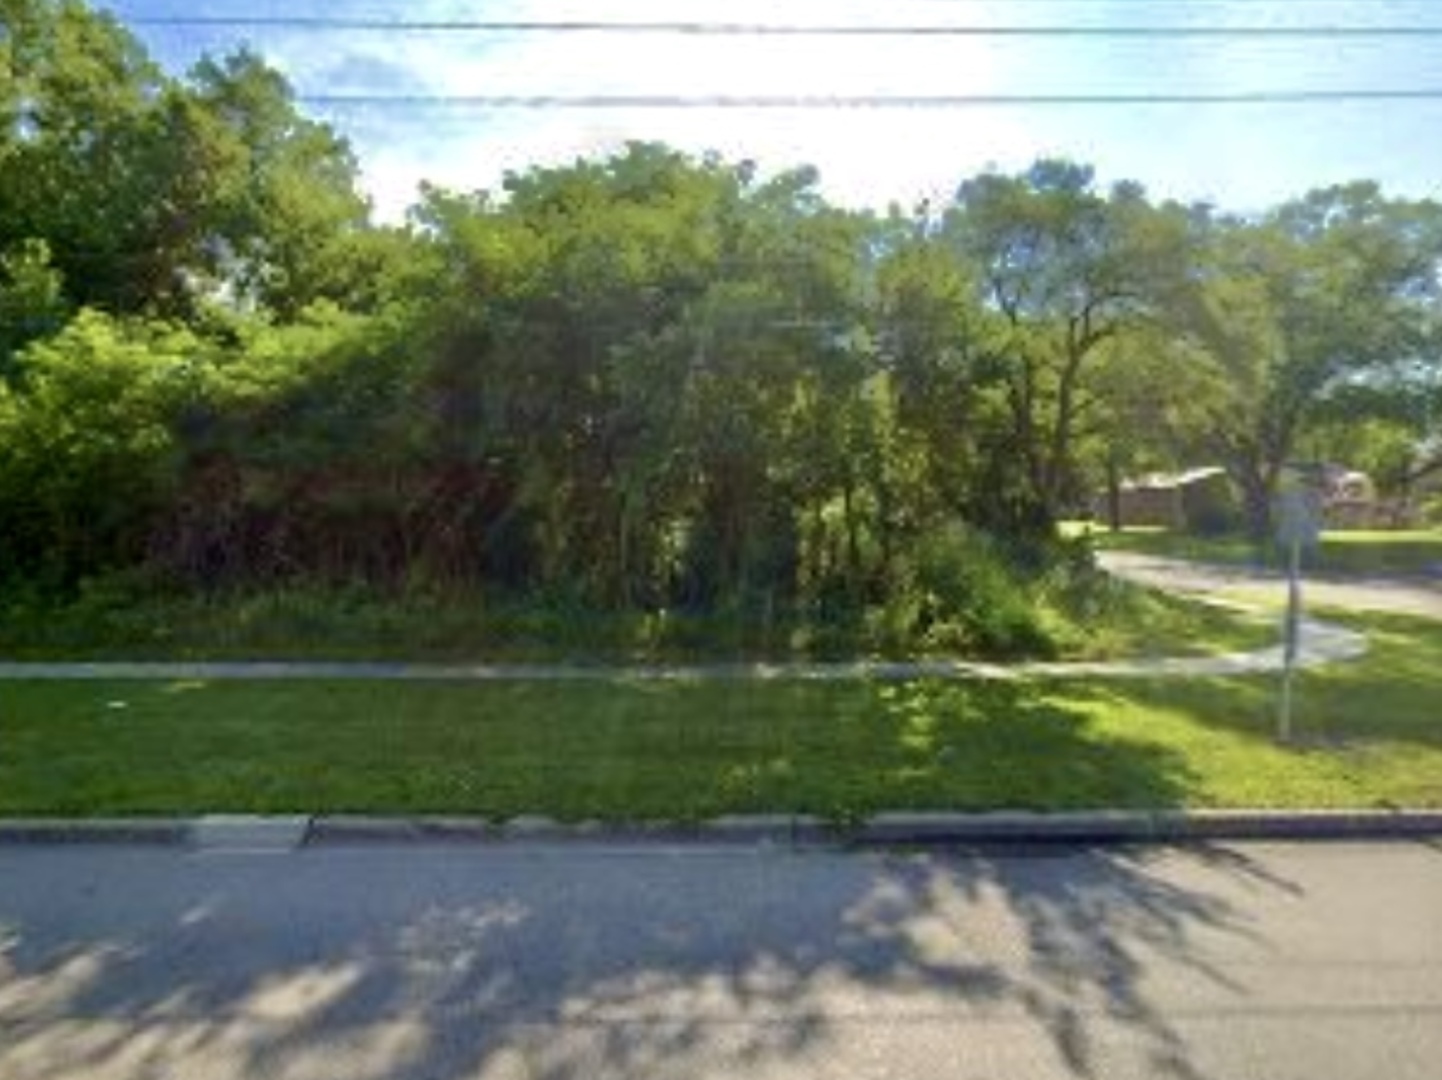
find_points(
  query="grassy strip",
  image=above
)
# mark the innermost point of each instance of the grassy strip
(1414, 552)
(1371, 736)
(1099, 619)
(1142, 623)
(1367, 733)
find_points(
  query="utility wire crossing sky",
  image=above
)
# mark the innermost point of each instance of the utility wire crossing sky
(1238, 102)
(291, 22)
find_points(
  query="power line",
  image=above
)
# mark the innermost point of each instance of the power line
(749, 29)
(857, 101)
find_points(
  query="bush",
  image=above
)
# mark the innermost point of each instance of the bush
(87, 448)
(966, 595)
(1210, 506)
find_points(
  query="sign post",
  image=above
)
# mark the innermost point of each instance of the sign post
(1299, 522)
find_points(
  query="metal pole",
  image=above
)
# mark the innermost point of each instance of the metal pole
(1291, 636)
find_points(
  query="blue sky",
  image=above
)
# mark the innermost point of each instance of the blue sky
(1240, 157)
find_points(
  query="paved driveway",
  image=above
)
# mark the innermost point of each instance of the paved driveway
(1404, 596)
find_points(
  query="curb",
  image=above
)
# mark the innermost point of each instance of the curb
(136, 831)
(778, 830)
(783, 831)
(1146, 826)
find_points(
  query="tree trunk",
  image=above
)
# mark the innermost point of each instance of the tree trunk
(1257, 506)
(1114, 494)
(853, 538)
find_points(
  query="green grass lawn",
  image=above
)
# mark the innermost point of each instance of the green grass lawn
(1417, 551)
(1370, 735)
(1142, 623)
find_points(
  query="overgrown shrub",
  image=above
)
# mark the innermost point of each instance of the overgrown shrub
(966, 595)
(88, 453)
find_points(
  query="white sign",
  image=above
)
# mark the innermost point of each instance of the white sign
(1299, 517)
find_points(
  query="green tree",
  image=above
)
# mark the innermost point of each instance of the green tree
(650, 348)
(80, 99)
(1290, 308)
(88, 454)
(1063, 270)
(32, 302)
(154, 194)
(938, 346)
(284, 204)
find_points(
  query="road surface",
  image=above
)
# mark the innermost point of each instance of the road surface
(1273, 962)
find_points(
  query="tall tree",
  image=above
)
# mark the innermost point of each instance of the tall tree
(82, 92)
(1063, 269)
(283, 187)
(939, 347)
(1289, 308)
(153, 193)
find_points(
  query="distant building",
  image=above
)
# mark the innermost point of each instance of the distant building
(1349, 500)
(1205, 501)
(1198, 500)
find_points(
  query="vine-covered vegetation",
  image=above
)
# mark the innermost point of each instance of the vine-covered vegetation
(646, 384)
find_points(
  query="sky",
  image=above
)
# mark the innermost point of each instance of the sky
(1240, 157)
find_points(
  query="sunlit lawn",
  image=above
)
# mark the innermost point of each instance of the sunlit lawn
(1371, 734)
(1366, 733)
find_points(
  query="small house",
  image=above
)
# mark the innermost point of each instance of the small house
(1199, 500)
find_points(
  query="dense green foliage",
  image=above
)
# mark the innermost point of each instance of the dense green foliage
(651, 383)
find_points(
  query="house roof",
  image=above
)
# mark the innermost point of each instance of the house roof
(1172, 481)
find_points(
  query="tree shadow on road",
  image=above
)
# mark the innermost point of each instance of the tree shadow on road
(563, 964)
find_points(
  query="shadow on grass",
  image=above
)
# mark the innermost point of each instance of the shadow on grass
(586, 965)
(1388, 695)
(616, 751)
(1011, 746)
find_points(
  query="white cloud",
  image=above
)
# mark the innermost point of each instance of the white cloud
(1241, 157)
(865, 156)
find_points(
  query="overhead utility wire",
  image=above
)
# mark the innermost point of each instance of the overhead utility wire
(856, 101)
(748, 29)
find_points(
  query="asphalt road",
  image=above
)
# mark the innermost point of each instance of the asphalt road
(1283, 962)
